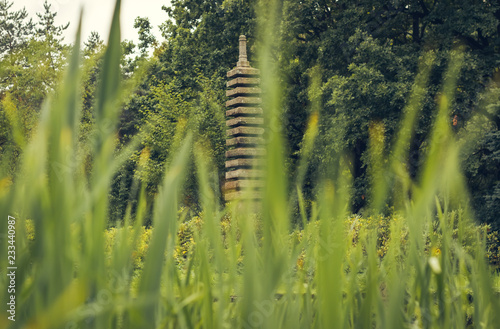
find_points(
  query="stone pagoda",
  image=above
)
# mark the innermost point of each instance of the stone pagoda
(244, 136)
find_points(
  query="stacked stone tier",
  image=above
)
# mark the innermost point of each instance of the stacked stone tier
(244, 134)
(244, 140)
(243, 81)
(239, 194)
(244, 101)
(247, 173)
(244, 111)
(243, 72)
(243, 91)
(244, 131)
(244, 121)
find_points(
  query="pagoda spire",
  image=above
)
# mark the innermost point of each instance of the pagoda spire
(245, 122)
(243, 61)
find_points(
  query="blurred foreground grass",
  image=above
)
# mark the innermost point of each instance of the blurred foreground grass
(423, 267)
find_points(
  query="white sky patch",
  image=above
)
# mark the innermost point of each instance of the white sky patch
(97, 15)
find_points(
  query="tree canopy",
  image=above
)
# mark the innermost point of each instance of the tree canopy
(368, 54)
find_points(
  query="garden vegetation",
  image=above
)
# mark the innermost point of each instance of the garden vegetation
(379, 202)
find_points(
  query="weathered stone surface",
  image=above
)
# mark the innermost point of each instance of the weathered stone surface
(244, 136)
(245, 152)
(242, 60)
(242, 91)
(241, 100)
(240, 184)
(244, 111)
(241, 81)
(238, 195)
(240, 121)
(242, 72)
(236, 163)
(244, 173)
(242, 140)
(244, 131)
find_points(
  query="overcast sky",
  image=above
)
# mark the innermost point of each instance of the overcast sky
(97, 15)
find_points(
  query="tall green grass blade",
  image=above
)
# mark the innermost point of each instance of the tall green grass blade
(247, 266)
(110, 77)
(164, 237)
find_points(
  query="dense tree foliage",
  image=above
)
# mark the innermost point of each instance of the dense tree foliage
(367, 52)
(183, 89)
(32, 56)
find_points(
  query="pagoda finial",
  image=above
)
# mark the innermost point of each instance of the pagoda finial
(243, 61)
